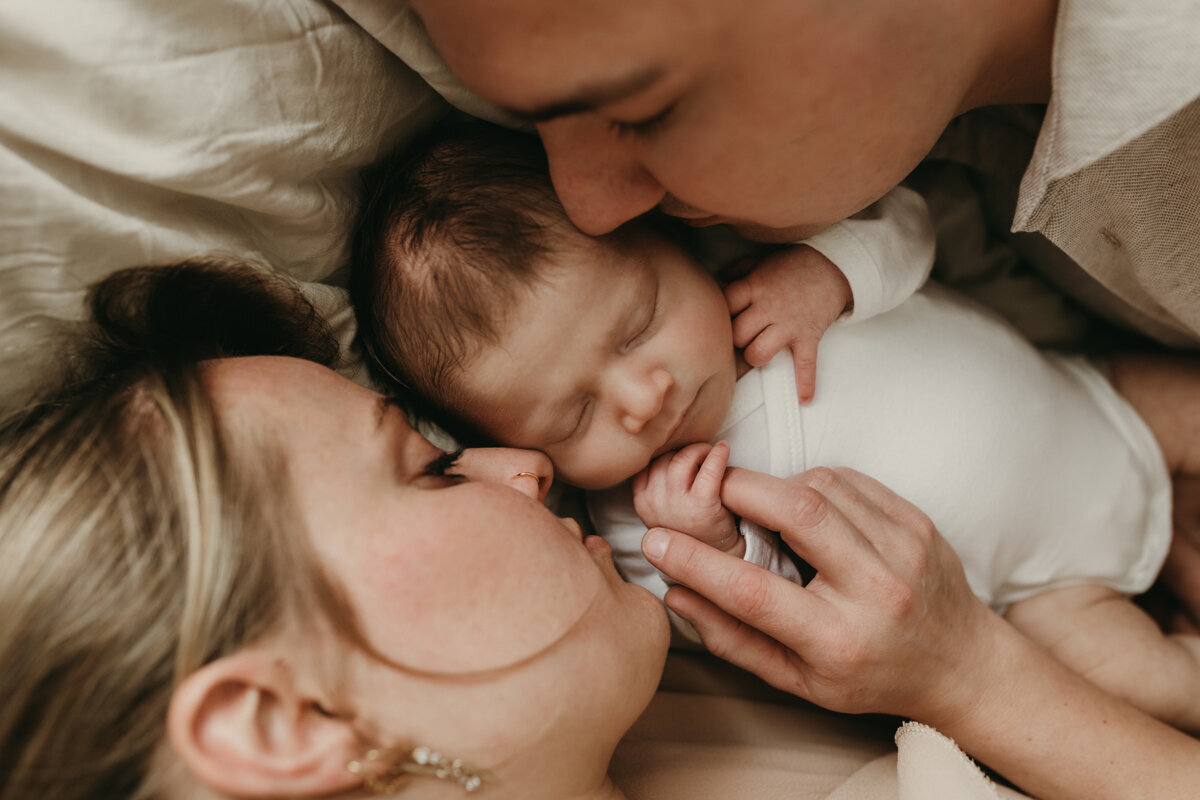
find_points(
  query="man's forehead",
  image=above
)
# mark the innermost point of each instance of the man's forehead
(590, 95)
(544, 58)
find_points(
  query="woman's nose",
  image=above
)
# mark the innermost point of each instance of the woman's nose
(641, 398)
(596, 174)
(528, 471)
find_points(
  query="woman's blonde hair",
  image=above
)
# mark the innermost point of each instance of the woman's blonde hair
(135, 544)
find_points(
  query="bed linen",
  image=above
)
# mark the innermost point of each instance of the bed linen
(144, 131)
(137, 131)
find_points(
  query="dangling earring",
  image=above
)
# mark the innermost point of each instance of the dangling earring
(387, 771)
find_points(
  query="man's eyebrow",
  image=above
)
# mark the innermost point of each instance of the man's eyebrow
(593, 96)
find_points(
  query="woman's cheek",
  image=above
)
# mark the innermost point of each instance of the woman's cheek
(488, 585)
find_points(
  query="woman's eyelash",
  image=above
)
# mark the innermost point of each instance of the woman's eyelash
(438, 467)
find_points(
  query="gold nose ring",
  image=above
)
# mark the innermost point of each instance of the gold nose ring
(533, 475)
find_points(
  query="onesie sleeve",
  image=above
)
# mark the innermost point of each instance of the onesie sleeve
(764, 549)
(885, 251)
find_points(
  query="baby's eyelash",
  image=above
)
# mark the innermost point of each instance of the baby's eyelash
(438, 467)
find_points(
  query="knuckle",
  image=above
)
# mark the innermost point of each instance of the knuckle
(806, 507)
(760, 350)
(823, 479)
(918, 524)
(749, 595)
(898, 599)
(805, 365)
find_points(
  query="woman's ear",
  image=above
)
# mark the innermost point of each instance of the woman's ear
(245, 726)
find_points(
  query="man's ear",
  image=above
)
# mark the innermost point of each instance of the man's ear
(245, 726)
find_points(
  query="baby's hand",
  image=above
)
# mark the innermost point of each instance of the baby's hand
(682, 491)
(789, 299)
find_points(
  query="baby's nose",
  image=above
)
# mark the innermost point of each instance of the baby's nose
(643, 399)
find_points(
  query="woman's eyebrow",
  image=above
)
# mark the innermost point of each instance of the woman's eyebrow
(382, 405)
(593, 95)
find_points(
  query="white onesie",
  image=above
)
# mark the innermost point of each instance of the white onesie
(1031, 465)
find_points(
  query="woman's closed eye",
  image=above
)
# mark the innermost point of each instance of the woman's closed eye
(439, 468)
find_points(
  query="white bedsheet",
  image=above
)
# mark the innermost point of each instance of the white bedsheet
(146, 131)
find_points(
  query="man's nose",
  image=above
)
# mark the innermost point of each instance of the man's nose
(597, 174)
(528, 471)
(641, 398)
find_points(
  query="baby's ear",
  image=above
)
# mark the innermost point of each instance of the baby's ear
(242, 725)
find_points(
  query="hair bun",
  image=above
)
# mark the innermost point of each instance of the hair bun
(204, 308)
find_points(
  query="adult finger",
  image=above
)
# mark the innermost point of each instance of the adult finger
(885, 519)
(808, 510)
(743, 590)
(738, 643)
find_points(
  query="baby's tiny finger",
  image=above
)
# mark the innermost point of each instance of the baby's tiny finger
(712, 471)
(685, 463)
(747, 325)
(640, 481)
(765, 346)
(804, 359)
(738, 296)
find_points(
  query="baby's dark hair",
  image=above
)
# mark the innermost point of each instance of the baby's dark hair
(453, 229)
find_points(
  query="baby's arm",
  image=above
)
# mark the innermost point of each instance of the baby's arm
(862, 266)
(682, 491)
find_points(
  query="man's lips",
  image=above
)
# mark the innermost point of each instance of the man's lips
(701, 222)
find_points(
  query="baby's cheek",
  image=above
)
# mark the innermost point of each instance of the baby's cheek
(610, 461)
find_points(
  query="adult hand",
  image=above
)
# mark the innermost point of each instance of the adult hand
(889, 623)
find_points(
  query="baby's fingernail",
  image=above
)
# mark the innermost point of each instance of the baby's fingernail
(654, 545)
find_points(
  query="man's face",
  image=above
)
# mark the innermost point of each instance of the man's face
(779, 117)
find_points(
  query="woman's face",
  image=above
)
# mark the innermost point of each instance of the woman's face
(469, 582)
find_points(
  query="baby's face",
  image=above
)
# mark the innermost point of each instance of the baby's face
(617, 357)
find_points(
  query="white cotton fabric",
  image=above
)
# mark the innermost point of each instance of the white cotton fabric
(1033, 468)
(885, 251)
(147, 131)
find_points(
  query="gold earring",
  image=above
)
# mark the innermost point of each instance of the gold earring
(387, 771)
(533, 475)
